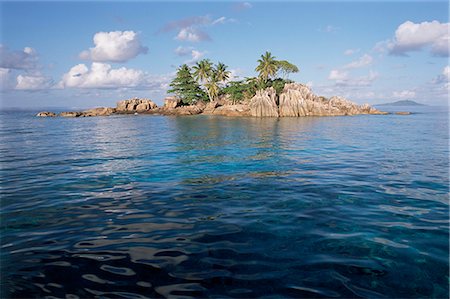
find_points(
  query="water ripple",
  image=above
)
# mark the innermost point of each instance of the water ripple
(150, 207)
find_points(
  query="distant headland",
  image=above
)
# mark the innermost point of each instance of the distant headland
(402, 103)
(206, 89)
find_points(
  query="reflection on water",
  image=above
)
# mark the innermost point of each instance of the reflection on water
(148, 206)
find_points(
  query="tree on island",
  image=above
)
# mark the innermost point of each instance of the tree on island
(185, 87)
(267, 66)
(211, 77)
(285, 68)
(215, 80)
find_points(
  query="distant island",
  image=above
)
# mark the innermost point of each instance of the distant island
(205, 88)
(401, 103)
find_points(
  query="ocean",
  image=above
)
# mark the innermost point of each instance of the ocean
(202, 206)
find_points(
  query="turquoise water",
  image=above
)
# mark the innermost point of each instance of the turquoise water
(150, 206)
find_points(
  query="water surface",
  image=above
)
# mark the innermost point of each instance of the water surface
(150, 206)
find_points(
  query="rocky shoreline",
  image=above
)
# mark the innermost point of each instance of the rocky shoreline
(295, 100)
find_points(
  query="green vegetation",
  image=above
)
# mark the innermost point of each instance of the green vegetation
(185, 87)
(206, 81)
(285, 68)
(211, 77)
(267, 66)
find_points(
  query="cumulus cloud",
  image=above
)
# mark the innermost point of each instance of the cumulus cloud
(343, 78)
(20, 60)
(404, 94)
(33, 82)
(445, 74)
(349, 52)
(363, 61)
(101, 75)
(338, 75)
(183, 51)
(114, 46)
(192, 34)
(411, 36)
(20, 70)
(187, 22)
(443, 79)
(242, 6)
(195, 56)
(191, 29)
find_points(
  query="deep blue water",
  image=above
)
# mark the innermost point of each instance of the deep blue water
(153, 206)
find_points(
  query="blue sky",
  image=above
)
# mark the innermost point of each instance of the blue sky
(370, 52)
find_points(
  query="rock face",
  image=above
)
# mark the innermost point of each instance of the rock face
(71, 114)
(298, 100)
(135, 105)
(295, 100)
(232, 110)
(102, 111)
(171, 102)
(264, 104)
(46, 114)
(210, 107)
(187, 110)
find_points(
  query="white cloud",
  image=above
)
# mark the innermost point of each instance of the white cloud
(446, 72)
(187, 22)
(191, 29)
(349, 52)
(342, 78)
(338, 75)
(183, 51)
(192, 34)
(114, 46)
(363, 80)
(101, 75)
(363, 61)
(21, 60)
(223, 20)
(236, 74)
(196, 56)
(33, 82)
(242, 6)
(443, 79)
(404, 94)
(410, 36)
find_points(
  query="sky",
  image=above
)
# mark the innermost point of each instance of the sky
(87, 54)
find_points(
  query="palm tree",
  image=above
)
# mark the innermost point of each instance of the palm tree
(202, 73)
(222, 74)
(202, 70)
(212, 87)
(267, 66)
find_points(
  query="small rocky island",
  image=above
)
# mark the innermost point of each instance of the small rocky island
(295, 100)
(205, 88)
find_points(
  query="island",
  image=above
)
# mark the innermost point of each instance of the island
(206, 89)
(402, 103)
